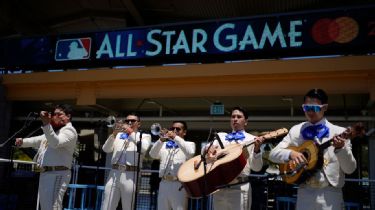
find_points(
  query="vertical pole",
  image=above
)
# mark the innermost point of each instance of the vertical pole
(371, 149)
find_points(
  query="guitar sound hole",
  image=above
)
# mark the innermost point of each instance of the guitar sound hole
(306, 154)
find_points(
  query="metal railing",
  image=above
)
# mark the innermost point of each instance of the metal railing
(267, 190)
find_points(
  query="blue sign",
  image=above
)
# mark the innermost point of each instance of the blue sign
(316, 33)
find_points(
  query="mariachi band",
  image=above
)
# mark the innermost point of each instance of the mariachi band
(314, 154)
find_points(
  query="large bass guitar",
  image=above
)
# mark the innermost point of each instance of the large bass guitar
(296, 174)
(228, 164)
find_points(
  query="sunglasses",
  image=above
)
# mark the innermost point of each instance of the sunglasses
(312, 107)
(58, 113)
(175, 128)
(130, 121)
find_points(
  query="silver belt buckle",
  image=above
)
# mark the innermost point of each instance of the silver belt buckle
(315, 183)
(122, 167)
(170, 178)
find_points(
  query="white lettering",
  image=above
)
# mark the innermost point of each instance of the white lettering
(118, 53)
(154, 42)
(278, 33)
(248, 39)
(168, 35)
(199, 43)
(129, 51)
(293, 33)
(105, 48)
(181, 44)
(232, 38)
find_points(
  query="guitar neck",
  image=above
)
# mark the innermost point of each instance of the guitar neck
(328, 143)
(270, 135)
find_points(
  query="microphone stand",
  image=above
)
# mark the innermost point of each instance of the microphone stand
(139, 148)
(203, 158)
(27, 123)
(100, 130)
(204, 161)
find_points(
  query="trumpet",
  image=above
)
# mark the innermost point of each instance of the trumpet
(116, 125)
(157, 130)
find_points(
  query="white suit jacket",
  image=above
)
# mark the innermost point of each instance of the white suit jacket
(338, 162)
(117, 146)
(172, 159)
(60, 145)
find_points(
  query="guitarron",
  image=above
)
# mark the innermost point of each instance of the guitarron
(229, 163)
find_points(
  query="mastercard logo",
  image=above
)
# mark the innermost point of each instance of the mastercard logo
(340, 30)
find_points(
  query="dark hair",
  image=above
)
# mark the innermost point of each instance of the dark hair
(134, 114)
(66, 108)
(318, 94)
(182, 122)
(241, 109)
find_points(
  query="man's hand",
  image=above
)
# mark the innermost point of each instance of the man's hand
(127, 129)
(45, 117)
(258, 141)
(171, 135)
(19, 142)
(212, 153)
(297, 158)
(338, 142)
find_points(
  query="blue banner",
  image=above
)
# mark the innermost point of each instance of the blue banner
(319, 33)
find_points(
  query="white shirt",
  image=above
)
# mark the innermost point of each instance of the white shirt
(57, 148)
(128, 152)
(172, 158)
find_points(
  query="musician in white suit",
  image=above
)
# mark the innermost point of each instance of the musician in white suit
(122, 177)
(55, 155)
(172, 151)
(238, 196)
(323, 189)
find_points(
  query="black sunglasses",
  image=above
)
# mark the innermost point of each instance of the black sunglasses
(130, 121)
(175, 128)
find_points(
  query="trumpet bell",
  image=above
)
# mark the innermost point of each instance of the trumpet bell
(111, 121)
(156, 129)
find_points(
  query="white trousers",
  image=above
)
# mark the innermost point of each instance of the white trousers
(52, 187)
(237, 197)
(119, 185)
(170, 197)
(327, 198)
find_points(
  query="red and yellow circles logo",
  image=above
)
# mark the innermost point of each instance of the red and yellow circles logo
(341, 30)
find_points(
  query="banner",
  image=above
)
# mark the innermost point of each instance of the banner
(318, 33)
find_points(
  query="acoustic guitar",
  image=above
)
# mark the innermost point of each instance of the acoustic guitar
(228, 164)
(296, 174)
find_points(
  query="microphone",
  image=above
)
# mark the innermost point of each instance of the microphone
(219, 140)
(139, 143)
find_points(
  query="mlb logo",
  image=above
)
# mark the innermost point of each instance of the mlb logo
(73, 49)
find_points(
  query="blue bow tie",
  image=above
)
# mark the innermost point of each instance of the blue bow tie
(124, 136)
(171, 144)
(238, 135)
(315, 131)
